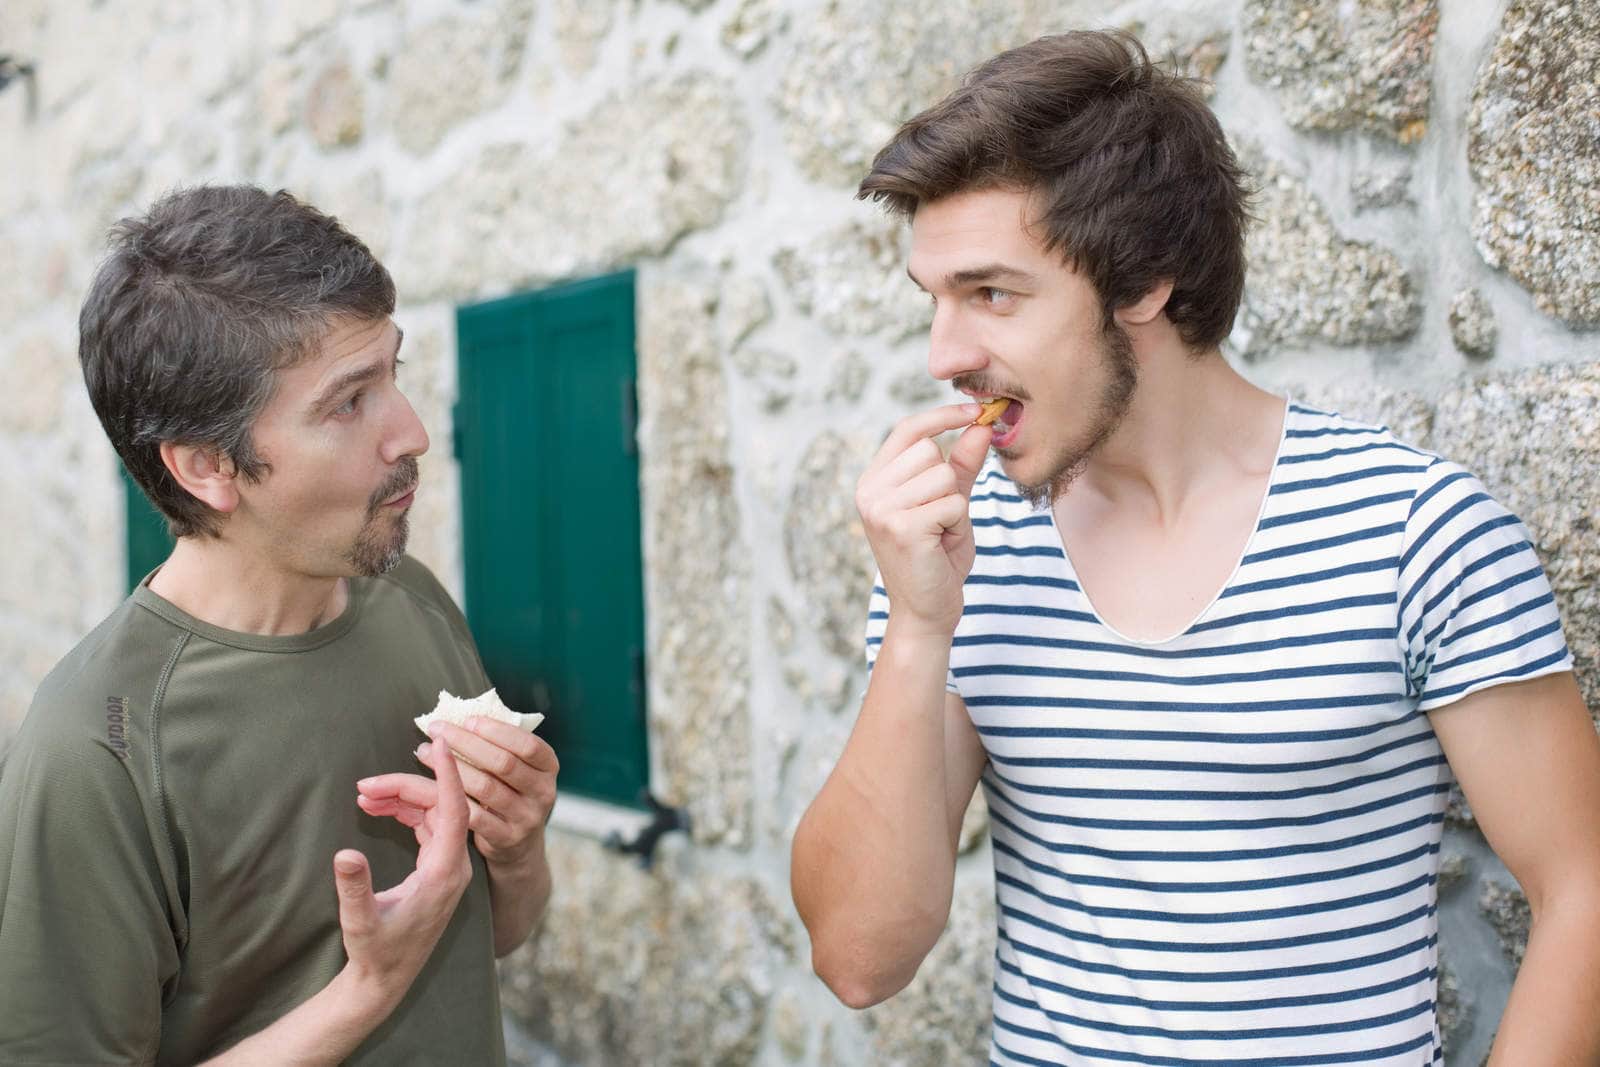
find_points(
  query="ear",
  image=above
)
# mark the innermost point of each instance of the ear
(1144, 310)
(204, 473)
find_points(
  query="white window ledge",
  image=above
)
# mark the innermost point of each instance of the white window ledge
(596, 818)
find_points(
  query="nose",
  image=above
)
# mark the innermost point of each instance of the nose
(951, 349)
(407, 436)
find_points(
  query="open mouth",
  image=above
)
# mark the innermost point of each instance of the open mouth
(1004, 416)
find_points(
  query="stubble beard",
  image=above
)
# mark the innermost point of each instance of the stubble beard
(1116, 397)
(381, 542)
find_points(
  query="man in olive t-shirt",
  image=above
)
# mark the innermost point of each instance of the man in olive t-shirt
(186, 777)
(168, 813)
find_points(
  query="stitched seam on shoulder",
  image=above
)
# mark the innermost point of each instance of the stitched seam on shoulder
(156, 775)
(422, 602)
(1399, 622)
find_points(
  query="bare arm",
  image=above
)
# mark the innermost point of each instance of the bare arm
(873, 866)
(388, 936)
(873, 861)
(1529, 762)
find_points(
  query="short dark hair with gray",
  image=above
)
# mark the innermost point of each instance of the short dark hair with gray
(198, 306)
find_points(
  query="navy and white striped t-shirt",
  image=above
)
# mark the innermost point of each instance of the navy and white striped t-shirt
(1223, 848)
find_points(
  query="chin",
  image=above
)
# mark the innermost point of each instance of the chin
(369, 558)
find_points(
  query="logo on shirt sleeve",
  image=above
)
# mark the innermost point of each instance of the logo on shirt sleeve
(117, 725)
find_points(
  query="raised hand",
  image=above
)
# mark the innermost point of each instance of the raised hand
(389, 935)
(914, 504)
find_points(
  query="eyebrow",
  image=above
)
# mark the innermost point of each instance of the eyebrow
(360, 375)
(989, 272)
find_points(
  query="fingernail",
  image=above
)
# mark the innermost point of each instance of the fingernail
(423, 750)
(433, 731)
(362, 784)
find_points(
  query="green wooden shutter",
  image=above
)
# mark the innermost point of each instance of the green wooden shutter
(147, 541)
(550, 521)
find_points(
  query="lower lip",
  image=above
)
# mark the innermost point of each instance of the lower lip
(403, 502)
(1009, 438)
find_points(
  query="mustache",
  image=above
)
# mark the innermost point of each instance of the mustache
(404, 477)
(984, 384)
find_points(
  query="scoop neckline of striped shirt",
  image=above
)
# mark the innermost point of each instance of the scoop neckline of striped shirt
(1233, 572)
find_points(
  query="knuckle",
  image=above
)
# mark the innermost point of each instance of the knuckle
(356, 926)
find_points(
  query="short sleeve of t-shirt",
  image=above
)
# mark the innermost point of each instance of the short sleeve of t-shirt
(86, 944)
(878, 621)
(1476, 608)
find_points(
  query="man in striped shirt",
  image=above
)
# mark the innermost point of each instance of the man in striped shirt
(1214, 655)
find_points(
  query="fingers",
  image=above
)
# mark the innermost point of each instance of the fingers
(499, 749)
(486, 755)
(522, 800)
(407, 814)
(529, 748)
(358, 910)
(409, 797)
(931, 484)
(924, 424)
(967, 456)
(412, 789)
(416, 817)
(908, 464)
(450, 813)
(938, 516)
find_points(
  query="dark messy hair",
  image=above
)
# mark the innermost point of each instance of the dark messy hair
(1134, 179)
(198, 305)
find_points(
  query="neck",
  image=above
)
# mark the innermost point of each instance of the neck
(1194, 423)
(216, 582)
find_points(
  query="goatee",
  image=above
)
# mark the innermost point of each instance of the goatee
(379, 546)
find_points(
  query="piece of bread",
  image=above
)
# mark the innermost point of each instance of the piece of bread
(458, 710)
(992, 410)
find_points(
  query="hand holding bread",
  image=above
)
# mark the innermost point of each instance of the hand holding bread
(508, 774)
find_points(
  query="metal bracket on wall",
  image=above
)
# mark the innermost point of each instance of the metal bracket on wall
(664, 820)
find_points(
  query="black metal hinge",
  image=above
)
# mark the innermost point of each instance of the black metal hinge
(664, 821)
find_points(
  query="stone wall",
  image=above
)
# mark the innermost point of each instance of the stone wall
(1427, 254)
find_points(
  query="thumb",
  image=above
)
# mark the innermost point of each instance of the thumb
(967, 457)
(353, 879)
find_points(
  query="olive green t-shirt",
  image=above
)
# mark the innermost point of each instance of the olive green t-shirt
(169, 813)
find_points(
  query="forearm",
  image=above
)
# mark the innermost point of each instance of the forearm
(873, 865)
(324, 1030)
(1553, 1016)
(518, 895)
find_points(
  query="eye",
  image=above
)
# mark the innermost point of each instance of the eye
(350, 406)
(996, 298)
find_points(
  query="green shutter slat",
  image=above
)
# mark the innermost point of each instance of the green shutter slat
(550, 521)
